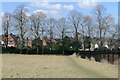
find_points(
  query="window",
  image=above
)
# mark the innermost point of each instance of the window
(11, 41)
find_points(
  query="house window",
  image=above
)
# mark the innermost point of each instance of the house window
(10, 42)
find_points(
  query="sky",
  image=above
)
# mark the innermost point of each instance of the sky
(61, 9)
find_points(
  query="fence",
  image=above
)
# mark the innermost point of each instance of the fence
(99, 56)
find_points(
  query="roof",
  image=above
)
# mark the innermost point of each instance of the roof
(14, 37)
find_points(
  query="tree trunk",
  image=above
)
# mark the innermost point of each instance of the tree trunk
(100, 39)
(21, 38)
(76, 38)
(37, 50)
(62, 42)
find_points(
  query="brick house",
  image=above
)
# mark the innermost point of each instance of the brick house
(28, 43)
(46, 40)
(12, 40)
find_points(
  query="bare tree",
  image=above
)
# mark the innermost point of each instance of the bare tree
(75, 19)
(100, 15)
(83, 26)
(51, 28)
(104, 22)
(108, 22)
(114, 35)
(21, 19)
(89, 26)
(88, 21)
(115, 31)
(62, 30)
(6, 24)
(43, 29)
(37, 26)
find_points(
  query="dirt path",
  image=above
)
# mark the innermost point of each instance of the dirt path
(51, 66)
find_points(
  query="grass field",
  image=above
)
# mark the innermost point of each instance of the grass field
(52, 66)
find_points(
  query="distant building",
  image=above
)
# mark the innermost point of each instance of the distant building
(96, 46)
(106, 44)
(28, 44)
(48, 40)
(12, 40)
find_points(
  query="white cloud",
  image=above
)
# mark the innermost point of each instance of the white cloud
(50, 13)
(87, 4)
(43, 11)
(28, 14)
(69, 7)
(49, 6)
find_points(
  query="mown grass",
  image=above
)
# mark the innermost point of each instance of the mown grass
(52, 66)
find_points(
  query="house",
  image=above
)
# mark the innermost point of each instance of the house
(12, 40)
(44, 41)
(112, 43)
(106, 44)
(51, 40)
(28, 42)
(48, 40)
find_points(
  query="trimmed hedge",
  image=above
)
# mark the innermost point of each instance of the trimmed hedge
(34, 51)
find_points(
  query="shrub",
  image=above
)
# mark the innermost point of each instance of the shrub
(116, 48)
(57, 46)
(103, 49)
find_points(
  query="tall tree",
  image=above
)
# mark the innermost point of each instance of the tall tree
(104, 22)
(37, 27)
(6, 24)
(89, 26)
(107, 24)
(21, 19)
(51, 28)
(62, 30)
(83, 26)
(99, 12)
(75, 19)
(43, 28)
(114, 32)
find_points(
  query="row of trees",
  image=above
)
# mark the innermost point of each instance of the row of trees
(76, 25)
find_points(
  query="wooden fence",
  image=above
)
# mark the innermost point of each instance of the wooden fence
(99, 56)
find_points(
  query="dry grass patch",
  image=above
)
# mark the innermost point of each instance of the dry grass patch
(52, 66)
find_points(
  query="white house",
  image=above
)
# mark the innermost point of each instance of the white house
(107, 46)
(96, 46)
